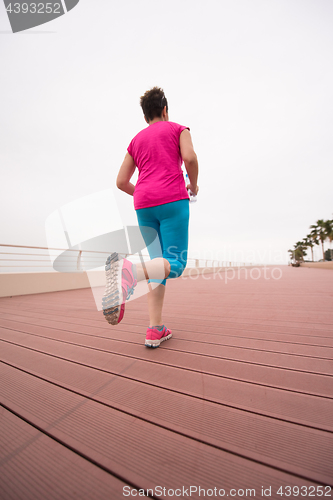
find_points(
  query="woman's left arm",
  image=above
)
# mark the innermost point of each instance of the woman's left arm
(125, 173)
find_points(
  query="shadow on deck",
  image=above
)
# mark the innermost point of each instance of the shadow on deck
(240, 399)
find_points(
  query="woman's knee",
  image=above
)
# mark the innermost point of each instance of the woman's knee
(177, 268)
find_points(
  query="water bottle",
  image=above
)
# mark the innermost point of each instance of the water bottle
(193, 197)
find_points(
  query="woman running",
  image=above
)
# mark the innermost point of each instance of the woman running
(161, 202)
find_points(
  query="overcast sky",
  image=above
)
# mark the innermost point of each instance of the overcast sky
(252, 79)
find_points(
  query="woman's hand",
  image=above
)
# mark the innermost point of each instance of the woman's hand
(193, 190)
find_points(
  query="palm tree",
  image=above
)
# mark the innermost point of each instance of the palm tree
(292, 254)
(329, 232)
(299, 251)
(309, 242)
(314, 237)
(320, 229)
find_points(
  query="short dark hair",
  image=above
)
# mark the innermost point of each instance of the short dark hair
(152, 103)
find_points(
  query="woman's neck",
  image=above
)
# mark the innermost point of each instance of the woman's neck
(155, 120)
(163, 118)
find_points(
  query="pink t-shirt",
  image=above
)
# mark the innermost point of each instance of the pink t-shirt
(156, 153)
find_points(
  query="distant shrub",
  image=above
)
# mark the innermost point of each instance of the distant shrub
(328, 254)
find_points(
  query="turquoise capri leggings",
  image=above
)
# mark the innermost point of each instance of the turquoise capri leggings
(170, 221)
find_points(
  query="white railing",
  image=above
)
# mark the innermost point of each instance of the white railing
(23, 258)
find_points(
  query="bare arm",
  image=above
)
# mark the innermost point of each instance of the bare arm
(190, 159)
(124, 175)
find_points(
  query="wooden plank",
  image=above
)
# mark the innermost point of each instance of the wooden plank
(298, 345)
(128, 446)
(286, 405)
(308, 383)
(216, 314)
(308, 363)
(35, 467)
(211, 414)
(286, 446)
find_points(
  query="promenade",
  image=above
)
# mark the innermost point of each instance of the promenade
(239, 400)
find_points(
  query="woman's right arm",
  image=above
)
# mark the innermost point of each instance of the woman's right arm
(190, 160)
(125, 173)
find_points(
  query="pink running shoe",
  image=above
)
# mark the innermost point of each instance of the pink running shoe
(120, 284)
(155, 336)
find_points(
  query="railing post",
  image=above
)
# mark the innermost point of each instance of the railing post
(79, 261)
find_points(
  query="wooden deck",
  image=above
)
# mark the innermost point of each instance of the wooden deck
(240, 398)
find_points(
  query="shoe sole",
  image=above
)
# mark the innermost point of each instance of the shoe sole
(111, 302)
(156, 343)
